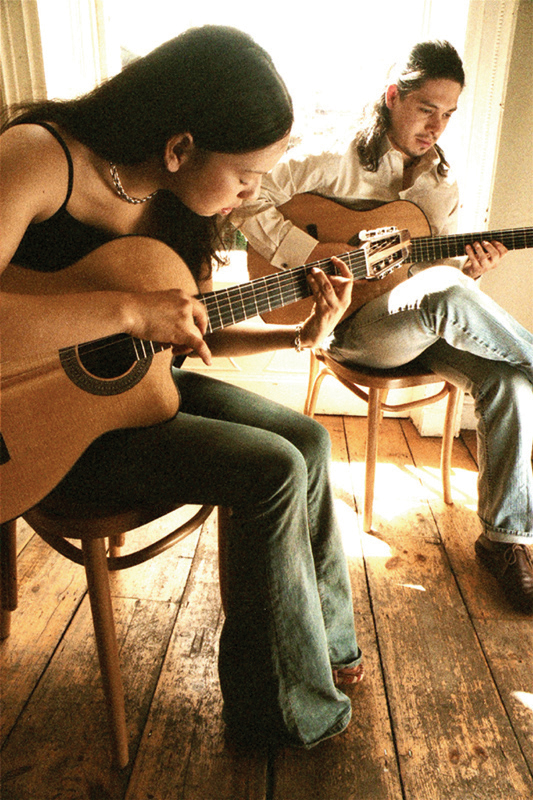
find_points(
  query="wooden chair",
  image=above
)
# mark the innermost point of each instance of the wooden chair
(92, 527)
(379, 382)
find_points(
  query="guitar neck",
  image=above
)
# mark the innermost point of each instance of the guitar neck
(432, 248)
(243, 301)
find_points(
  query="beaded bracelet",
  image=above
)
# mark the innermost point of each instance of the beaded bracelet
(297, 340)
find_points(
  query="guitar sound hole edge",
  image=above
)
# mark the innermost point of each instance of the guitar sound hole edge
(107, 367)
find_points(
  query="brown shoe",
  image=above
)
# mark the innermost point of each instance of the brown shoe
(512, 566)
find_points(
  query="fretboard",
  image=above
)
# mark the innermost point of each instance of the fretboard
(246, 300)
(431, 248)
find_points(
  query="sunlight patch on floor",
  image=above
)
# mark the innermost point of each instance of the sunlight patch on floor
(397, 491)
(526, 698)
(464, 483)
(375, 547)
(415, 586)
(406, 488)
(341, 475)
(347, 519)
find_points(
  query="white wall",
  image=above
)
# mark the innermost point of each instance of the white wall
(511, 285)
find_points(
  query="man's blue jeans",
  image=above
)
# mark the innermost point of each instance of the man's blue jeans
(289, 611)
(440, 317)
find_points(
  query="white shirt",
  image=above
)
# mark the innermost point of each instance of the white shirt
(341, 176)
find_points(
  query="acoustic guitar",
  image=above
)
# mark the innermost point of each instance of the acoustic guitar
(56, 404)
(330, 221)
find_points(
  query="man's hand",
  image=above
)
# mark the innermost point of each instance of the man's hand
(483, 257)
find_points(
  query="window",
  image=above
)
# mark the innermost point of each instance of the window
(332, 62)
(333, 58)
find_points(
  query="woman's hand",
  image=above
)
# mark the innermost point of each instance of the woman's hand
(483, 257)
(332, 295)
(171, 317)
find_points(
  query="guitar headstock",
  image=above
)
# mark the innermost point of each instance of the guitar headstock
(385, 249)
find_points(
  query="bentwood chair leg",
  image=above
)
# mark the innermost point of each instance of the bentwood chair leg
(374, 415)
(447, 443)
(314, 366)
(8, 579)
(116, 542)
(106, 642)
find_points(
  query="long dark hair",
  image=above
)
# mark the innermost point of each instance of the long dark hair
(427, 61)
(214, 82)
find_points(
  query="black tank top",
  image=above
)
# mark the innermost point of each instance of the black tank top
(60, 240)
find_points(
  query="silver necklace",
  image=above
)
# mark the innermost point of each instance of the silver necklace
(120, 189)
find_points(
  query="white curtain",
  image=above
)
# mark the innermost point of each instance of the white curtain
(487, 55)
(54, 49)
(21, 59)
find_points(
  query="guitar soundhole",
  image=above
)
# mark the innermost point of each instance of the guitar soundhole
(108, 358)
(105, 366)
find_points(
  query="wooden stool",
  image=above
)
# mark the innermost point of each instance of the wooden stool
(92, 527)
(379, 382)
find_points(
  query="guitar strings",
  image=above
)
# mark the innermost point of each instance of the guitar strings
(290, 285)
(258, 287)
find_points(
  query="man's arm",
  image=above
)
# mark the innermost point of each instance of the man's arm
(275, 238)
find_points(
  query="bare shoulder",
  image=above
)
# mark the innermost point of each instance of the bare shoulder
(33, 183)
(33, 170)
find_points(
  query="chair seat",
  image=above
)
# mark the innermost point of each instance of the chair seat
(407, 375)
(379, 382)
(55, 527)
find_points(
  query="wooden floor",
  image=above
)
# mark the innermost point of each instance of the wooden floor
(445, 710)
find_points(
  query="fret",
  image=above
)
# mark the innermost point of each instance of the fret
(358, 269)
(291, 286)
(215, 317)
(238, 311)
(225, 307)
(249, 301)
(270, 293)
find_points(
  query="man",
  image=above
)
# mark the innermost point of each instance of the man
(438, 315)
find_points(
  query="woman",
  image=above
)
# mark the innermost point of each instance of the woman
(177, 140)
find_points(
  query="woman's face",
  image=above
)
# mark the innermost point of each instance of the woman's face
(217, 183)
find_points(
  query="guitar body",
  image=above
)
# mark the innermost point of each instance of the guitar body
(54, 407)
(330, 221)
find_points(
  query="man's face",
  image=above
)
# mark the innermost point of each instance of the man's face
(419, 119)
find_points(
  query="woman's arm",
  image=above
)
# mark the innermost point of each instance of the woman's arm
(273, 236)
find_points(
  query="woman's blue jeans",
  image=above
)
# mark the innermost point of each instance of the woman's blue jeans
(440, 317)
(289, 608)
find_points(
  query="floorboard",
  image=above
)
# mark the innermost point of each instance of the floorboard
(445, 711)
